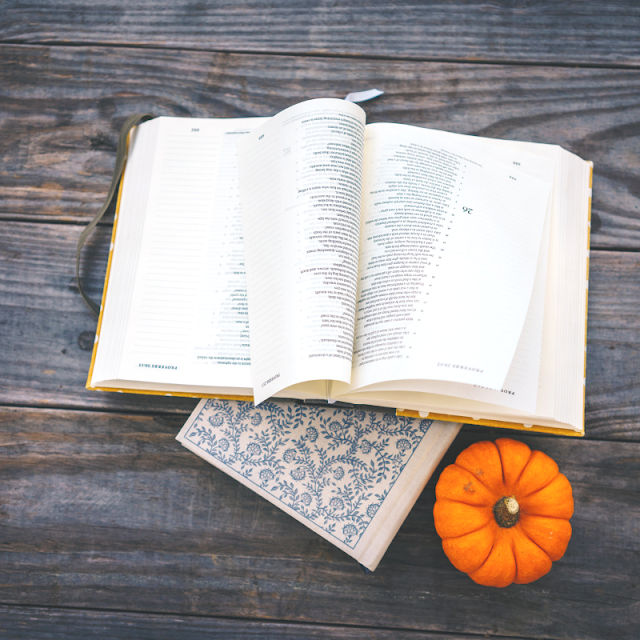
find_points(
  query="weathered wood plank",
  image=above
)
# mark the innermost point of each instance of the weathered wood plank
(550, 32)
(108, 511)
(26, 623)
(62, 108)
(613, 344)
(47, 332)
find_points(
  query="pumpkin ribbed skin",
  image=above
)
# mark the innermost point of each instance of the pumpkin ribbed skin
(523, 548)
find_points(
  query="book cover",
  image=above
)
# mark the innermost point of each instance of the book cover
(351, 476)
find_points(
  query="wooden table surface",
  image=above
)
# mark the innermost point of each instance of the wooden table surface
(108, 527)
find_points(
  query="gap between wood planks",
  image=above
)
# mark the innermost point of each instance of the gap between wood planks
(234, 625)
(343, 55)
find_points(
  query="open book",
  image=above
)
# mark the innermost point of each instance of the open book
(312, 256)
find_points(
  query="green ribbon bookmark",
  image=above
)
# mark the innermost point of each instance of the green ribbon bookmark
(121, 156)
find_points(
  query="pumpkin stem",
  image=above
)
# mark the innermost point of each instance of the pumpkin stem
(506, 511)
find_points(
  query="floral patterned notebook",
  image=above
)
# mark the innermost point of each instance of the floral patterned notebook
(350, 475)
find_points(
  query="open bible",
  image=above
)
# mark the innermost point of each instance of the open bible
(316, 257)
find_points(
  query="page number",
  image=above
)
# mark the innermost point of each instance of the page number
(467, 210)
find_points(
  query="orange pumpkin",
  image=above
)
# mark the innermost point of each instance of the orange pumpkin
(503, 512)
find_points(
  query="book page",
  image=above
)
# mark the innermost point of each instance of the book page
(351, 476)
(561, 377)
(125, 251)
(300, 176)
(541, 160)
(188, 319)
(520, 388)
(561, 382)
(449, 250)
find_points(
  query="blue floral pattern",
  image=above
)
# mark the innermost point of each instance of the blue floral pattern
(333, 467)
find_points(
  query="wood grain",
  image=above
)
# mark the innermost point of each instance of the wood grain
(26, 623)
(47, 331)
(562, 32)
(613, 344)
(109, 511)
(63, 106)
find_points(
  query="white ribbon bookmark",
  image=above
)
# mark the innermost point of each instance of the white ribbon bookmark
(363, 96)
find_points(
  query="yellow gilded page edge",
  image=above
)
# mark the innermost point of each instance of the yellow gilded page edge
(177, 394)
(491, 423)
(97, 338)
